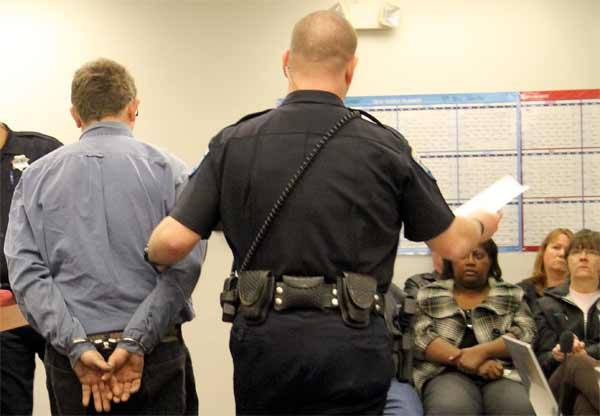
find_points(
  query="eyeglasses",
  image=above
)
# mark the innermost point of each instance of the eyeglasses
(580, 251)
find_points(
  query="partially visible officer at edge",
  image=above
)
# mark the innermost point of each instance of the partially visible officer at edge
(78, 224)
(335, 238)
(18, 346)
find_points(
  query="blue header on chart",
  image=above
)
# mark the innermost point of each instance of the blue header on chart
(432, 99)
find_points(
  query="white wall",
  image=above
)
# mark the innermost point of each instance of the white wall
(200, 65)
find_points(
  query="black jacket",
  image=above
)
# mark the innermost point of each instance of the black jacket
(558, 314)
(399, 316)
(33, 146)
(530, 294)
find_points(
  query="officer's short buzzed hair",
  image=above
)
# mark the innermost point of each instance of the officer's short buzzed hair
(322, 38)
(101, 88)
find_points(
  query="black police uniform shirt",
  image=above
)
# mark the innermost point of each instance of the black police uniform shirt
(346, 212)
(20, 150)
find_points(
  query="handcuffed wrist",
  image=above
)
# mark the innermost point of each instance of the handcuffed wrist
(78, 346)
(132, 345)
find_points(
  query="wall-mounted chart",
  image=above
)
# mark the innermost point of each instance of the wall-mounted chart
(549, 140)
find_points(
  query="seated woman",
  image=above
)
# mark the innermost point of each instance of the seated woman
(573, 306)
(460, 321)
(550, 267)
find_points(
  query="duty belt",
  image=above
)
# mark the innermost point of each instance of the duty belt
(256, 292)
(312, 292)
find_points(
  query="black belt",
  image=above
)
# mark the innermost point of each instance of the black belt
(259, 291)
(311, 292)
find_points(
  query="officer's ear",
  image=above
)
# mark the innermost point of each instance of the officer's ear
(76, 117)
(285, 60)
(350, 70)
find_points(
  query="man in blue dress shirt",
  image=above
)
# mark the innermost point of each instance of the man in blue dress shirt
(79, 220)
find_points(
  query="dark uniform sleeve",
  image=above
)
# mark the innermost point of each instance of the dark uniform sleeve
(424, 211)
(198, 206)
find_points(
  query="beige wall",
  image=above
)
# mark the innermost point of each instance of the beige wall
(200, 65)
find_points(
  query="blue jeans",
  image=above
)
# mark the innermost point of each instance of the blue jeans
(168, 386)
(17, 367)
(402, 400)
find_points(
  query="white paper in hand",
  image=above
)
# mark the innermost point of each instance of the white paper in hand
(493, 198)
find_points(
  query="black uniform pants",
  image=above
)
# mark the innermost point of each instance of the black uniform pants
(17, 368)
(309, 362)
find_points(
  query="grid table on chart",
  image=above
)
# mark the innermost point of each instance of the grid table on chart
(590, 114)
(466, 146)
(548, 140)
(547, 126)
(561, 164)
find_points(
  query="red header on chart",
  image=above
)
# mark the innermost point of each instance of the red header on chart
(560, 95)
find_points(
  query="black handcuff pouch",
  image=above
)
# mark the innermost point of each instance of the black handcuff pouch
(256, 289)
(356, 294)
(229, 298)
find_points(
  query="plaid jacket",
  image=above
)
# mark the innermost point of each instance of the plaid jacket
(438, 315)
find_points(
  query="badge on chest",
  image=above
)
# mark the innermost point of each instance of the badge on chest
(20, 163)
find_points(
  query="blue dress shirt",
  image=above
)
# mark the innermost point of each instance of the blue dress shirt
(79, 221)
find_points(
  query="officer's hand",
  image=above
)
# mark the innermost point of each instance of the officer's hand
(471, 359)
(490, 222)
(491, 370)
(127, 376)
(92, 372)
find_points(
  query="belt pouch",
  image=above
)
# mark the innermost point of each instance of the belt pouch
(256, 288)
(301, 292)
(356, 293)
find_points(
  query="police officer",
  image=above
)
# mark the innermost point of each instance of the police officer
(17, 346)
(335, 236)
